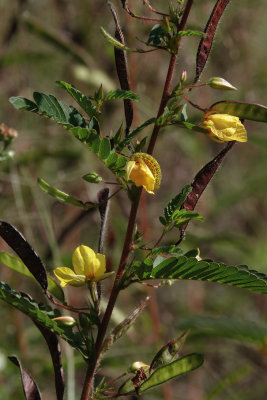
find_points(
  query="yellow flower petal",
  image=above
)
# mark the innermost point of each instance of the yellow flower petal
(68, 277)
(224, 127)
(101, 266)
(144, 171)
(87, 262)
(104, 276)
(130, 165)
(83, 259)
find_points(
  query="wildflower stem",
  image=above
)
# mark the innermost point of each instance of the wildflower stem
(92, 366)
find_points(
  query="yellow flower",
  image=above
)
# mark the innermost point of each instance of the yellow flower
(224, 127)
(144, 171)
(88, 267)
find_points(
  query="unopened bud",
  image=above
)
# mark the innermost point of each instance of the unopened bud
(137, 365)
(220, 84)
(66, 320)
(183, 76)
(93, 178)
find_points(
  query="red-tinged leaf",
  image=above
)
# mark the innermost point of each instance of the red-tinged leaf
(241, 109)
(206, 43)
(168, 352)
(24, 250)
(201, 181)
(122, 70)
(30, 388)
(54, 348)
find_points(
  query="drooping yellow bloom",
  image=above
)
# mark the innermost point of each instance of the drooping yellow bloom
(88, 266)
(144, 171)
(224, 127)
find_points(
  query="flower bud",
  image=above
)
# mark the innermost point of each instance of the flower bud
(183, 76)
(93, 178)
(65, 320)
(220, 84)
(137, 365)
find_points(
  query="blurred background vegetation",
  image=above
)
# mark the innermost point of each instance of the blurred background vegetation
(48, 40)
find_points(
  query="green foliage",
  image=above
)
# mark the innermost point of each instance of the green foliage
(17, 265)
(79, 97)
(183, 267)
(48, 106)
(134, 133)
(93, 177)
(43, 315)
(190, 32)
(243, 330)
(176, 368)
(155, 36)
(62, 196)
(121, 94)
(102, 148)
(171, 249)
(174, 205)
(168, 352)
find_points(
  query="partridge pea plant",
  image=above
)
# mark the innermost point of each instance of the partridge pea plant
(87, 328)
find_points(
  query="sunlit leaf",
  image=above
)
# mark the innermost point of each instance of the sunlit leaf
(17, 265)
(24, 250)
(172, 370)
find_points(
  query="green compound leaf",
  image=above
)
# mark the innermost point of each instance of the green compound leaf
(79, 97)
(181, 217)
(189, 126)
(174, 205)
(172, 370)
(156, 35)
(43, 315)
(122, 94)
(189, 32)
(225, 327)
(61, 196)
(48, 106)
(171, 249)
(20, 103)
(104, 148)
(17, 265)
(134, 133)
(243, 110)
(183, 267)
(113, 41)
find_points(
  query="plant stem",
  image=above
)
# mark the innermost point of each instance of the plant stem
(91, 369)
